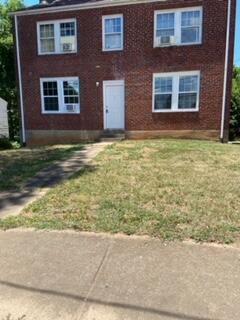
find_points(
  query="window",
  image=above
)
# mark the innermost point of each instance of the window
(57, 37)
(190, 27)
(60, 95)
(165, 24)
(163, 93)
(188, 92)
(176, 92)
(50, 94)
(112, 33)
(70, 91)
(47, 42)
(178, 27)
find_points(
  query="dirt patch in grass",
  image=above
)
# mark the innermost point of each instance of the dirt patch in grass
(171, 189)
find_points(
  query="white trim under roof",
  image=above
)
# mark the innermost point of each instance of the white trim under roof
(82, 6)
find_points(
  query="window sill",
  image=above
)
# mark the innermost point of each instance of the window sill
(178, 45)
(61, 113)
(175, 111)
(112, 50)
(55, 53)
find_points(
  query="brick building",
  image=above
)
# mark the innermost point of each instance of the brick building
(149, 68)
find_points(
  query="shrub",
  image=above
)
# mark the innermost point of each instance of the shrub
(235, 110)
(5, 143)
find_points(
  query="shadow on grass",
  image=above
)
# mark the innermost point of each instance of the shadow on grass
(77, 164)
(154, 311)
(17, 166)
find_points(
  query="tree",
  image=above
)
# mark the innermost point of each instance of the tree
(235, 110)
(8, 90)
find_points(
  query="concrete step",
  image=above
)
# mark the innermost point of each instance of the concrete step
(114, 130)
(112, 139)
(113, 135)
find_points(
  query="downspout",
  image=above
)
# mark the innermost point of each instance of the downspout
(226, 71)
(20, 80)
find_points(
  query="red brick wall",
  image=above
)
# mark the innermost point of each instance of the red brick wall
(136, 64)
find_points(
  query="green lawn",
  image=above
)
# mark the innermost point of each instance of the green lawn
(16, 166)
(171, 189)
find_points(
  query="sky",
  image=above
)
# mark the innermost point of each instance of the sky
(237, 42)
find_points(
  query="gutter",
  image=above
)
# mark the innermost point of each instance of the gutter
(83, 6)
(224, 102)
(20, 80)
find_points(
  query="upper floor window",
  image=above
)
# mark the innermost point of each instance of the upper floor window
(60, 95)
(112, 32)
(57, 37)
(174, 92)
(178, 27)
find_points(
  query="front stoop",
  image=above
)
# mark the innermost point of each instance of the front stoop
(113, 135)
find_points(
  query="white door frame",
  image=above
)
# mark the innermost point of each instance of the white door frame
(112, 83)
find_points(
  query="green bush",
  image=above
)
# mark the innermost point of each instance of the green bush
(5, 143)
(235, 110)
(8, 89)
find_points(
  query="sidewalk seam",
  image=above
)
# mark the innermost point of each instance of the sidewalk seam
(85, 307)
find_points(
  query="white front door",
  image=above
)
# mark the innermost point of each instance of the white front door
(114, 105)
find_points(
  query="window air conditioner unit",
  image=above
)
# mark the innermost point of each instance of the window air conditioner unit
(66, 47)
(71, 108)
(165, 41)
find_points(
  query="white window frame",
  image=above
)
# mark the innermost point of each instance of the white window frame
(61, 103)
(103, 32)
(57, 35)
(175, 90)
(178, 26)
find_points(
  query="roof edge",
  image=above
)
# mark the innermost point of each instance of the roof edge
(83, 6)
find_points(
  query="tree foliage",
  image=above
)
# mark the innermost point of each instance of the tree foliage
(235, 111)
(8, 90)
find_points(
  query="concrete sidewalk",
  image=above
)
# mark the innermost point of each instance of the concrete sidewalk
(54, 275)
(12, 203)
